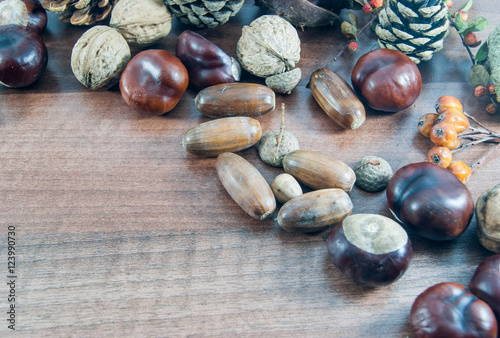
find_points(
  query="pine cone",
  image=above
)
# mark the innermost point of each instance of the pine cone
(414, 27)
(80, 12)
(204, 13)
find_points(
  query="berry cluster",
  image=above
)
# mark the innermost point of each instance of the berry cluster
(443, 128)
(446, 129)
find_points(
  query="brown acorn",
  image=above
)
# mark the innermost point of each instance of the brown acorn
(318, 170)
(228, 134)
(246, 185)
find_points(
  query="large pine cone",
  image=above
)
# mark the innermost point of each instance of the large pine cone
(204, 13)
(414, 27)
(80, 12)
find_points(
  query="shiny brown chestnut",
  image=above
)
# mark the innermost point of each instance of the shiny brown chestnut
(23, 56)
(27, 13)
(449, 310)
(206, 63)
(370, 249)
(153, 82)
(485, 283)
(430, 201)
(387, 79)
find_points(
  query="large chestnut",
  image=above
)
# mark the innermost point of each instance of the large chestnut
(154, 81)
(27, 13)
(485, 283)
(206, 63)
(370, 249)
(387, 79)
(430, 201)
(23, 56)
(448, 310)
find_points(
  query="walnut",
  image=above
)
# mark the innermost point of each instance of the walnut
(141, 22)
(268, 46)
(99, 56)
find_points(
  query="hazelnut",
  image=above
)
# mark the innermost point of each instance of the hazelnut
(373, 173)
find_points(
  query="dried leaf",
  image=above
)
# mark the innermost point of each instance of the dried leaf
(353, 18)
(348, 29)
(479, 76)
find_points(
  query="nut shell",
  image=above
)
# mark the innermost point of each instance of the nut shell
(246, 185)
(268, 145)
(227, 134)
(99, 57)
(141, 22)
(268, 46)
(373, 173)
(315, 211)
(318, 170)
(285, 82)
(285, 187)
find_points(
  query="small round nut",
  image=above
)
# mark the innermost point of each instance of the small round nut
(373, 173)
(141, 22)
(268, 147)
(285, 187)
(99, 57)
(285, 82)
(268, 46)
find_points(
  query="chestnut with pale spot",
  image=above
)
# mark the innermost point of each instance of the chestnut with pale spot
(370, 249)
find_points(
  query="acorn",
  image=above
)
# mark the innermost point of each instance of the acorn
(246, 185)
(337, 98)
(235, 99)
(318, 170)
(228, 134)
(285, 187)
(315, 211)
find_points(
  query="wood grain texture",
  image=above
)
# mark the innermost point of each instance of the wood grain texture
(122, 232)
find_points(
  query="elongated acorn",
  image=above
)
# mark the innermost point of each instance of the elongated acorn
(246, 185)
(337, 98)
(228, 134)
(285, 187)
(318, 170)
(315, 211)
(235, 99)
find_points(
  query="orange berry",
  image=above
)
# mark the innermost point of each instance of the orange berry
(443, 134)
(440, 156)
(480, 91)
(453, 116)
(461, 170)
(426, 122)
(454, 145)
(491, 108)
(447, 102)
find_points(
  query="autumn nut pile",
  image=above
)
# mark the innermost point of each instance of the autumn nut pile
(270, 47)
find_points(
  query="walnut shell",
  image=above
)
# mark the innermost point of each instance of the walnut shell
(269, 45)
(99, 57)
(141, 22)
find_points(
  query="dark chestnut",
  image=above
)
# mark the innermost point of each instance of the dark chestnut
(387, 79)
(448, 310)
(206, 63)
(485, 283)
(27, 13)
(430, 201)
(153, 82)
(23, 56)
(369, 249)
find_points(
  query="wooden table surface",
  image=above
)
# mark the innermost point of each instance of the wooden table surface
(119, 231)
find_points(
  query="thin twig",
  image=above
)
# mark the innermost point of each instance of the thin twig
(481, 140)
(478, 123)
(472, 166)
(472, 58)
